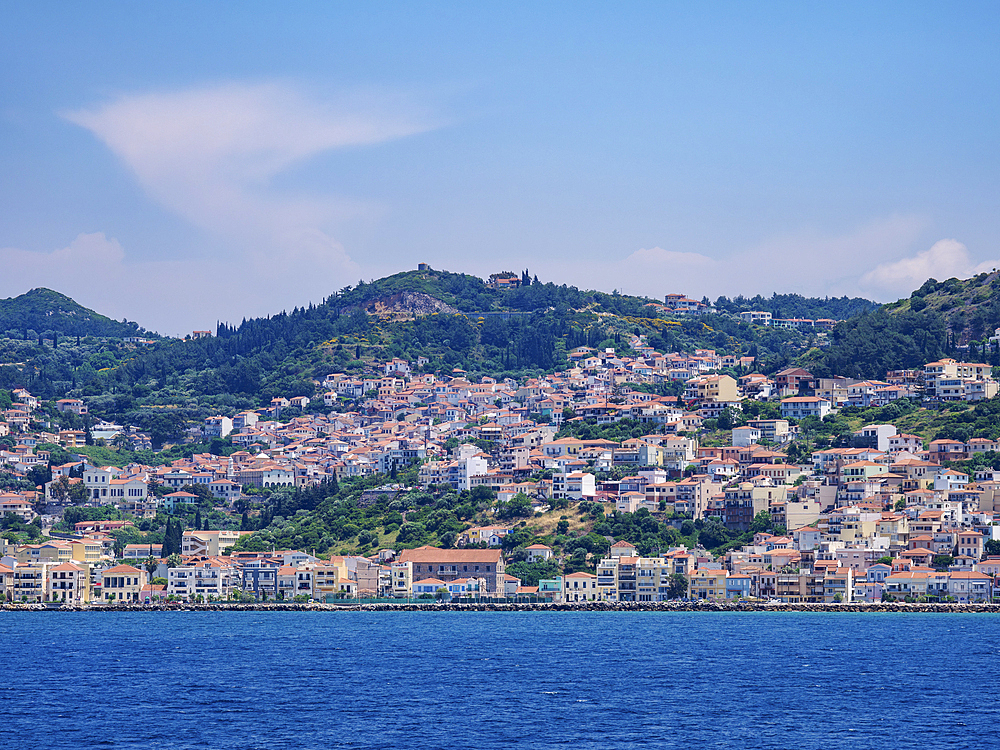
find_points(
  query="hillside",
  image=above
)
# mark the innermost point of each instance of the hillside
(797, 306)
(45, 312)
(949, 318)
(452, 320)
(970, 308)
(511, 333)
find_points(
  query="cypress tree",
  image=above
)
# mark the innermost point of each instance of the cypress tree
(167, 539)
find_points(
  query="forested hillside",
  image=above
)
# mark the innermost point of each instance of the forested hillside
(513, 332)
(951, 318)
(44, 313)
(797, 306)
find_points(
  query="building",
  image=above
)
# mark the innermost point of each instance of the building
(449, 564)
(210, 579)
(122, 583)
(580, 587)
(577, 485)
(209, 543)
(756, 317)
(69, 583)
(793, 380)
(800, 407)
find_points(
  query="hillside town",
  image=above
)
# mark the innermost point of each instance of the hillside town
(885, 517)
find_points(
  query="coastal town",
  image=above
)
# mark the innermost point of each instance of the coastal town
(883, 516)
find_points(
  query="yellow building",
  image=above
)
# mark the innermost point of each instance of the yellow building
(88, 551)
(707, 583)
(327, 576)
(122, 583)
(714, 388)
(50, 552)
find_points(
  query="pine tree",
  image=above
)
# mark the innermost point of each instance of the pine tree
(197, 519)
(245, 522)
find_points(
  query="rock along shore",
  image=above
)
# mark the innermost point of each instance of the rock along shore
(347, 606)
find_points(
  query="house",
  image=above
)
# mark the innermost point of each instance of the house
(74, 405)
(800, 407)
(28, 583)
(538, 553)
(745, 436)
(449, 564)
(152, 593)
(707, 583)
(69, 583)
(576, 485)
(756, 317)
(793, 380)
(218, 427)
(122, 583)
(579, 587)
(428, 587)
(971, 544)
(209, 543)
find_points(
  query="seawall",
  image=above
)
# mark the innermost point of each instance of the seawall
(873, 608)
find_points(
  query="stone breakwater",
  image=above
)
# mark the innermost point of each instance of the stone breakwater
(874, 608)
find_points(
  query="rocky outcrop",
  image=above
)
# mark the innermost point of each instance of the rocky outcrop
(406, 306)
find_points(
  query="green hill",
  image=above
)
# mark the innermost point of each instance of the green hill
(952, 318)
(452, 320)
(970, 308)
(45, 312)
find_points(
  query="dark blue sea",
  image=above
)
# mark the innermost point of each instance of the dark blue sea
(498, 680)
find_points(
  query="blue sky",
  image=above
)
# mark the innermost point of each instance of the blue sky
(182, 163)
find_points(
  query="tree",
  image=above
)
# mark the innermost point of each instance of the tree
(39, 474)
(174, 561)
(678, 586)
(761, 522)
(59, 490)
(172, 537)
(531, 573)
(518, 506)
(942, 562)
(151, 564)
(577, 561)
(78, 493)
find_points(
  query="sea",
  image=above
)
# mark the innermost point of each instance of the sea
(486, 680)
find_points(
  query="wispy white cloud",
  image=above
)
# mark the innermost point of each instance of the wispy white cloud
(210, 154)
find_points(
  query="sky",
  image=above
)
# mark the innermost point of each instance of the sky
(179, 164)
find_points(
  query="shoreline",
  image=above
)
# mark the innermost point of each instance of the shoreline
(872, 608)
